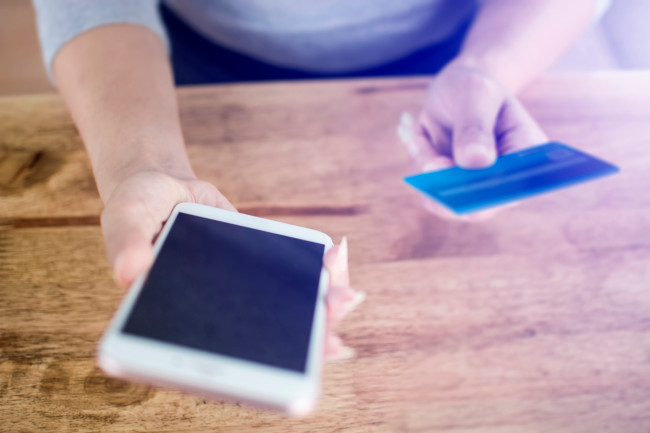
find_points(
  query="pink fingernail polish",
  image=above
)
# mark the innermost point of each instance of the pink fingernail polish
(344, 353)
(342, 256)
(358, 298)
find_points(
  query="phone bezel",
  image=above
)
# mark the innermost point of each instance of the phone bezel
(152, 361)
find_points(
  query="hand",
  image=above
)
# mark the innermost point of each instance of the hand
(468, 120)
(136, 210)
(134, 215)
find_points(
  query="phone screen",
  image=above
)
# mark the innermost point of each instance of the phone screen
(231, 290)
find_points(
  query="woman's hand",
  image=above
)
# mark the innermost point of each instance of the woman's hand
(468, 120)
(136, 210)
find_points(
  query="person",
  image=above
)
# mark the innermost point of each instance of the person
(110, 61)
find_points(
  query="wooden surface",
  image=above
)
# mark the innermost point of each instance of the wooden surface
(21, 65)
(535, 321)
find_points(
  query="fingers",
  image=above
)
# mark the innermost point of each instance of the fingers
(426, 159)
(208, 194)
(413, 138)
(468, 120)
(336, 262)
(417, 139)
(473, 143)
(475, 116)
(517, 129)
(341, 299)
(335, 350)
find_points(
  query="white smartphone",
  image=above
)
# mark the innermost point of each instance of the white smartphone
(233, 306)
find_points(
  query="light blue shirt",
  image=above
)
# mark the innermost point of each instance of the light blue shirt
(325, 36)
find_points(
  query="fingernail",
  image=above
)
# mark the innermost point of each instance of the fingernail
(348, 306)
(341, 263)
(344, 353)
(476, 149)
(406, 118)
(477, 155)
(405, 134)
(430, 166)
(358, 298)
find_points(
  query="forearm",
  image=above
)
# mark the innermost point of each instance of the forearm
(117, 83)
(516, 40)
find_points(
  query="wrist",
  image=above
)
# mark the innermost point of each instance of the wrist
(110, 172)
(496, 66)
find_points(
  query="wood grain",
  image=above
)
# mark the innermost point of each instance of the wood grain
(535, 321)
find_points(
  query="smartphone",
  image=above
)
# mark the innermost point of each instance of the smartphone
(233, 306)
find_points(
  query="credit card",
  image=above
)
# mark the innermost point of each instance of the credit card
(513, 177)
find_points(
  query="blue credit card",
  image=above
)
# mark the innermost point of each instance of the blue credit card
(514, 176)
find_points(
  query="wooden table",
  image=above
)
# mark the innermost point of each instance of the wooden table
(535, 321)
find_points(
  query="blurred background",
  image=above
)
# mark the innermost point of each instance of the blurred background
(619, 40)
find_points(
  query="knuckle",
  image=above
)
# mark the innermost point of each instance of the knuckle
(479, 83)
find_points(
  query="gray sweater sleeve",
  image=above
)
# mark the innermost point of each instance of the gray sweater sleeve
(59, 21)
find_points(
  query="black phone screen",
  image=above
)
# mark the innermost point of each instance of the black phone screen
(231, 290)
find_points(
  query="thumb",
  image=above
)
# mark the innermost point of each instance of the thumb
(473, 141)
(131, 262)
(128, 244)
